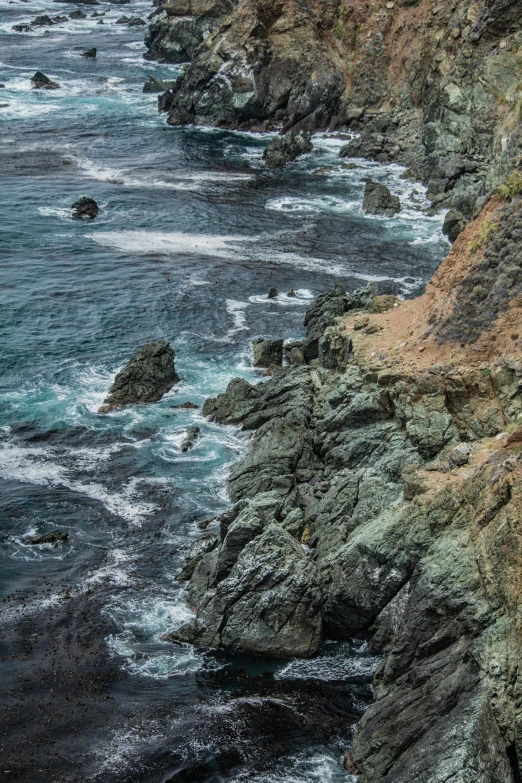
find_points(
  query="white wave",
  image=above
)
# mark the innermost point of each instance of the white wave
(317, 204)
(36, 465)
(175, 242)
(302, 297)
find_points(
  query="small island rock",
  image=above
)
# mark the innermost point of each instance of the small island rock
(85, 207)
(145, 378)
(42, 82)
(379, 201)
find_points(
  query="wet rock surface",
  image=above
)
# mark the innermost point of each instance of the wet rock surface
(145, 378)
(42, 82)
(85, 207)
(267, 353)
(283, 150)
(378, 200)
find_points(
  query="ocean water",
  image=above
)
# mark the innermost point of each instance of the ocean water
(192, 231)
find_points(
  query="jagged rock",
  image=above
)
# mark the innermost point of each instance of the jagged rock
(42, 21)
(145, 378)
(273, 293)
(85, 207)
(294, 352)
(60, 19)
(192, 436)
(283, 149)
(267, 353)
(156, 85)
(379, 201)
(178, 27)
(90, 53)
(42, 82)
(281, 620)
(55, 537)
(21, 28)
(230, 83)
(78, 14)
(186, 405)
(291, 293)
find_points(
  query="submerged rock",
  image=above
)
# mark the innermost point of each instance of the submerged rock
(267, 353)
(78, 14)
(145, 378)
(283, 149)
(186, 406)
(379, 201)
(42, 82)
(273, 293)
(90, 53)
(55, 537)
(132, 21)
(192, 436)
(42, 21)
(85, 207)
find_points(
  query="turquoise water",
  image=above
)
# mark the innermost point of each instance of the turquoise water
(191, 233)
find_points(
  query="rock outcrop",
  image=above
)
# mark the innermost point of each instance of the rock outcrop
(42, 82)
(381, 496)
(283, 149)
(145, 378)
(178, 27)
(85, 207)
(267, 353)
(378, 200)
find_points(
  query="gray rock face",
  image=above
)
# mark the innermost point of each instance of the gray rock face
(271, 602)
(245, 73)
(178, 27)
(267, 353)
(284, 149)
(379, 201)
(145, 378)
(156, 85)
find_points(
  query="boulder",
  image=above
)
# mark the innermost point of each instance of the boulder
(273, 293)
(55, 537)
(283, 149)
(379, 201)
(145, 378)
(90, 53)
(383, 303)
(192, 436)
(460, 455)
(21, 28)
(42, 82)
(85, 207)
(453, 224)
(78, 14)
(267, 353)
(186, 406)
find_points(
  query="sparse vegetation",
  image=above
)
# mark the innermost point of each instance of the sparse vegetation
(487, 230)
(340, 32)
(512, 186)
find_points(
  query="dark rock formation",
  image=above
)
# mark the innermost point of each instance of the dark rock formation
(186, 405)
(145, 378)
(42, 82)
(273, 293)
(90, 53)
(55, 537)
(178, 27)
(267, 353)
(78, 14)
(192, 436)
(453, 224)
(132, 21)
(283, 149)
(85, 207)
(79, 2)
(42, 21)
(266, 63)
(156, 85)
(379, 201)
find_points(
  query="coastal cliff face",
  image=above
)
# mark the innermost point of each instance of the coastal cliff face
(436, 86)
(382, 496)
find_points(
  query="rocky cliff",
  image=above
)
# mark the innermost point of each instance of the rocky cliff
(382, 496)
(433, 85)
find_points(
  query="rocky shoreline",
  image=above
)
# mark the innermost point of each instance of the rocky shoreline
(381, 498)
(433, 87)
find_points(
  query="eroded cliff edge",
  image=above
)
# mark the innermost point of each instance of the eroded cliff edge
(382, 494)
(433, 85)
